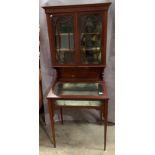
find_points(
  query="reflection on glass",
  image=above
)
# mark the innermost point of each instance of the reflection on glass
(90, 35)
(64, 39)
(94, 89)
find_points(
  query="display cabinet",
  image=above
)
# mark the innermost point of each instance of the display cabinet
(77, 39)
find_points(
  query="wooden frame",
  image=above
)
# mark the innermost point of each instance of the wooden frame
(78, 72)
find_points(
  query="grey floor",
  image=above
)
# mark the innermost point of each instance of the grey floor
(77, 138)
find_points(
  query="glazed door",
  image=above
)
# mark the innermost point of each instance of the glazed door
(90, 29)
(63, 26)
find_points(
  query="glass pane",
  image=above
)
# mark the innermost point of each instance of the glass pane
(90, 35)
(78, 103)
(64, 39)
(94, 89)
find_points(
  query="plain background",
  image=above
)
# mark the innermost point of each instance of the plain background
(19, 73)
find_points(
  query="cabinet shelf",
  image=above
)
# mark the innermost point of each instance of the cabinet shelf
(82, 49)
(91, 49)
(65, 49)
(94, 33)
(66, 34)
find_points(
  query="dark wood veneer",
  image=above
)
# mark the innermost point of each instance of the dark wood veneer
(78, 72)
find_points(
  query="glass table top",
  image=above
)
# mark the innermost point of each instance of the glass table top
(67, 88)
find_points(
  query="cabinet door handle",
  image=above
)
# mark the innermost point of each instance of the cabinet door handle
(51, 16)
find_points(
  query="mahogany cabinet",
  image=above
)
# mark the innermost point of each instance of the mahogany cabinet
(78, 38)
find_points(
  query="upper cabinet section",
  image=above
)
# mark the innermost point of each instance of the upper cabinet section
(77, 34)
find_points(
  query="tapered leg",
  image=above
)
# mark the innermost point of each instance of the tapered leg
(105, 114)
(61, 115)
(101, 116)
(51, 113)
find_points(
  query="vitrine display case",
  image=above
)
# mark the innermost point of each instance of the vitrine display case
(77, 39)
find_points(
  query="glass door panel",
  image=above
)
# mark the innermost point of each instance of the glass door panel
(64, 39)
(90, 38)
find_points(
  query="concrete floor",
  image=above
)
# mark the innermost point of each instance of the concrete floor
(77, 138)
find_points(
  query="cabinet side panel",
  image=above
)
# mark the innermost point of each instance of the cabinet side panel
(51, 39)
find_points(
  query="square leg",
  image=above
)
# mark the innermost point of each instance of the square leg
(61, 115)
(105, 115)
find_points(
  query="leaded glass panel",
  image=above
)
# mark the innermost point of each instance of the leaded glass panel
(64, 39)
(90, 37)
